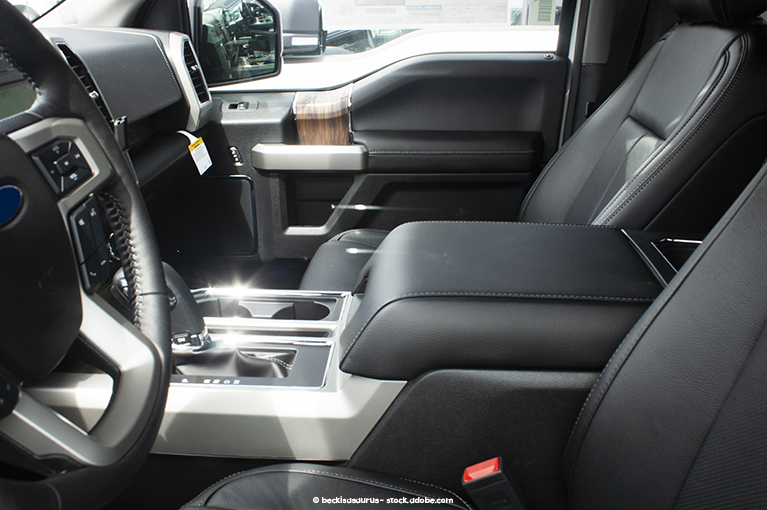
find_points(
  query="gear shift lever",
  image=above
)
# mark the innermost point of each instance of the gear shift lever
(187, 325)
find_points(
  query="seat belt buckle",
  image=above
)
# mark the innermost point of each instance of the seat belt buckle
(490, 488)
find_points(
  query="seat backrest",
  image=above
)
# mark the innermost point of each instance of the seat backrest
(678, 418)
(677, 142)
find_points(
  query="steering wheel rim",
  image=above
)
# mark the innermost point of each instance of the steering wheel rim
(63, 103)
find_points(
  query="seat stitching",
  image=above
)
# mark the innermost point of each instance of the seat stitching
(561, 151)
(702, 122)
(492, 295)
(621, 167)
(16, 66)
(725, 16)
(339, 476)
(214, 484)
(437, 487)
(616, 198)
(670, 141)
(512, 223)
(641, 328)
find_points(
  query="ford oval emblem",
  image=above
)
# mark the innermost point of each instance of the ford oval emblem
(10, 203)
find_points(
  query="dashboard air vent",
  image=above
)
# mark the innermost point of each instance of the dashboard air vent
(195, 72)
(87, 80)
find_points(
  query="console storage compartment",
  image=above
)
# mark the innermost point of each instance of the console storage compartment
(495, 295)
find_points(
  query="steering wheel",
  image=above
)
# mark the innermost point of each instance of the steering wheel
(44, 305)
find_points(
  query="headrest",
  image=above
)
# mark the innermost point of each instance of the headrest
(726, 12)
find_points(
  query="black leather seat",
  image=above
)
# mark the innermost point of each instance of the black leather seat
(668, 151)
(677, 419)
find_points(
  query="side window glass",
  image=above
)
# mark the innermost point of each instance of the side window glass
(355, 26)
(238, 40)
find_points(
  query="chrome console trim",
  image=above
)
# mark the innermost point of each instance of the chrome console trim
(328, 422)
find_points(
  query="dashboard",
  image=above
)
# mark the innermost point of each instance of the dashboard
(150, 82)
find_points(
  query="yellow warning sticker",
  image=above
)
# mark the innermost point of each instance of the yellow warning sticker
(200, 155)
(195, 144)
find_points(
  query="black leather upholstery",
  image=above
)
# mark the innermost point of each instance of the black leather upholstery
(294, 487)
(721, 11)
(678, 418)
(338, 263)
(640, 154)
(669, 150)
(535, 296)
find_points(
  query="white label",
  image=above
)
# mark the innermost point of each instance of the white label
(200, 155)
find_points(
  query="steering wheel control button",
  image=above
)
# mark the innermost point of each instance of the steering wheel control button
(88, 230)
(74, 178)
(77, 157)
(55, 151)
(63, 165)
(10, 203)
(81, 226)
(9, 397)
(96, 268)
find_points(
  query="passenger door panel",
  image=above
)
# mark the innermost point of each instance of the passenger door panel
(448, 137)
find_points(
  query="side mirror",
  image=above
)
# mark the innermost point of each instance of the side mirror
(239, 41)
(302, 32)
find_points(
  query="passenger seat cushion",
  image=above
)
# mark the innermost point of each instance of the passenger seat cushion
(338, 263)
(295, 487)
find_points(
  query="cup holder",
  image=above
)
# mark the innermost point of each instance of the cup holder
(301, 310)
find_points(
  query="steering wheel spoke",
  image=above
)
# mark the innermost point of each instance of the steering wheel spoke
(43, 432)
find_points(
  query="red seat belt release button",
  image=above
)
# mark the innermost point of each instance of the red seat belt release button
(490, 488)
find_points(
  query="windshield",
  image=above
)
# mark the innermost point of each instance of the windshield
(34, 9)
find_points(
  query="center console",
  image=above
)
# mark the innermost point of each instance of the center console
(308, 375)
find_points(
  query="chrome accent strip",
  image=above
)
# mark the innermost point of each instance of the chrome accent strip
(349, 113)
(198, 112)
(656, 245)
(281, 157)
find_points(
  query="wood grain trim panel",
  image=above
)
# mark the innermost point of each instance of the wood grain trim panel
(322, 118)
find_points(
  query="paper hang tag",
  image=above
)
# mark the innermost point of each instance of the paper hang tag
(200, 155)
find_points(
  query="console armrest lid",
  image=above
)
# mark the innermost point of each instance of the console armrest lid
(495, 295)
